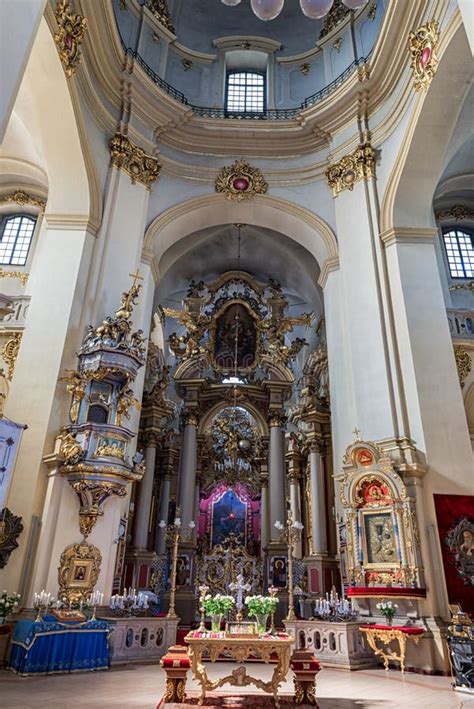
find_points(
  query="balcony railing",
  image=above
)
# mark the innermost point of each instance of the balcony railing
(269, 114)
(461, 324)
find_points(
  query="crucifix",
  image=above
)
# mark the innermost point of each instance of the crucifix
(239, 587)
(356, 433)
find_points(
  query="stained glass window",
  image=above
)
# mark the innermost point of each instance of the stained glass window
(460, 252)
(15, 241)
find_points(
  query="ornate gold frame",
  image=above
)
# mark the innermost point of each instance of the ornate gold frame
(212, 336)
(74, 557)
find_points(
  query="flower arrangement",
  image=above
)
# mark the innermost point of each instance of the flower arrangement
(261, 605)
(8, 603)
(218, 604)
(388, 609)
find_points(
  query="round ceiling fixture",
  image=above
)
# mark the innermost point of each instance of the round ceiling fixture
(267, 9)
(232, 3)
(315, 9)
(354, 4)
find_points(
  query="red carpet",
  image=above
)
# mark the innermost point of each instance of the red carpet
(218, 700)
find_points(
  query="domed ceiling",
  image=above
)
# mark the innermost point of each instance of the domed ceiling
(199, 22)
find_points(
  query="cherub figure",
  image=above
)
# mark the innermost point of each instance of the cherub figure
(137, 342)
(126, 400)
(76, 387)
(70, 448)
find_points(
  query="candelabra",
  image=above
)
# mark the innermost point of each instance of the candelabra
(334, 609)
(129, 603)
(273, 590)
(290, 535)
(203, 589)
(175, 532)
(95, 600)
(43, 601)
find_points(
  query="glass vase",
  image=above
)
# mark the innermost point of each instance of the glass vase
(389, 619)
(262, 619)
(216, 620)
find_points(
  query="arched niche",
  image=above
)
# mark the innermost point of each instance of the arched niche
(407, 201)
(299, 224)
(219, 406)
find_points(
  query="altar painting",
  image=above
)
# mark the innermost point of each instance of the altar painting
(380, 544)
(229, 516)
(235, 324)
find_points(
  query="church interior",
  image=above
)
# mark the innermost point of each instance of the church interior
(236, 353)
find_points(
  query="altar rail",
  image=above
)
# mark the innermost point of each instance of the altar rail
(334, 644)
(140, 639)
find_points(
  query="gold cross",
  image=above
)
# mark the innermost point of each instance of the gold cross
(356, 433)
(136, 277)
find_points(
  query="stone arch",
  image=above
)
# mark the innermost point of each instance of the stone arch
(296, 222)
(47, 112)
(407, 201)
(252, 410)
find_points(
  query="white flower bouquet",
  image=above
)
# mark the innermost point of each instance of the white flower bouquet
(8, 603)
(387, 608)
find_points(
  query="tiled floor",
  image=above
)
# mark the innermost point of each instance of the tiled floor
(141, 686)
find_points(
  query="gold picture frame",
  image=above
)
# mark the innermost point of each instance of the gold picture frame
(380, 547)
(78, 572)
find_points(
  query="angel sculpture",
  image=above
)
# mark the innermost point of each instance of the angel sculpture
(125, 402)
(196, 324)
(70, 448)
(137, 342)
(75, 385)
(128, 300)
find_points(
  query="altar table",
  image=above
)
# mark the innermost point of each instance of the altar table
(385, 634)
(240, 648)
(49, 646)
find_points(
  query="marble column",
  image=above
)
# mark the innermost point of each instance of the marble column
(295, 506)
(264, 532)
(187, 469)
(318, 502)
(160, 545)
(146, 491)
(277, 474)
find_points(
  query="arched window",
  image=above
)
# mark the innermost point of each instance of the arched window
(460, 252)
(245, 92)
(15, 240)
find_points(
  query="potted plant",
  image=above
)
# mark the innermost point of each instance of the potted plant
(216, 606)
(387, 609)
(8, 603)
(261, 607)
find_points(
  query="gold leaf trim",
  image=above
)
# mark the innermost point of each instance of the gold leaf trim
(422, 44)
(463, 363)
(133, 160)
(240, 169)
(10, 352)
(23, 277)
(358, 165)
(23, 198)
(68, 38)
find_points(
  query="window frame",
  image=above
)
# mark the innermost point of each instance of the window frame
(5, 217)
(254, 72)
(453, 230)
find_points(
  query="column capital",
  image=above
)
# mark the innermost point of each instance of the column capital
(277, 419)
(191, 417)
(151, 439)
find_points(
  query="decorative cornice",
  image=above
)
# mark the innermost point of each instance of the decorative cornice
(330, 265)
(68, 38)
(422, 44)
(23, 198)
(463, 363)
(408, 235)
(240, 181)
(21, 275)
(133, 160)
(358, 165)
(335, 16)
(457, 212)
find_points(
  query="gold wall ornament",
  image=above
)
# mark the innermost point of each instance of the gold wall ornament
(127, 156)
(159, 8)
(422, 44)
(23, 198)
(457, 212)
(10, 352)
(78, 572)
(338, 44)
(71, 28)
(304, 68)
(463, 363)
(240, 181)
(335, 16)
(358, 165)
(92, 496)
(187, 64)
(23, 277)
(372, 11)
(463, 286)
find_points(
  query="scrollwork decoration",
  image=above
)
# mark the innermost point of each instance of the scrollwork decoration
(68, 38)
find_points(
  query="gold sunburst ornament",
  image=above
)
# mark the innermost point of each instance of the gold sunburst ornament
(71, 28)
(240, 181)
(422, 44)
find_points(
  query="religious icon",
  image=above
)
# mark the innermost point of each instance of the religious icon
(460, 542)
(182, 571)
(364, 457)
(229, 516)
(380, 540)
(235, 331)
(79, 573)
(278, 574)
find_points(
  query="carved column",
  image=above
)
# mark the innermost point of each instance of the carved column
(318, 506)
(146, 490)
(187, 468)
(276, 465)
(160, 545)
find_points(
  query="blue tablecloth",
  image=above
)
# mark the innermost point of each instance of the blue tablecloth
(50, 646)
